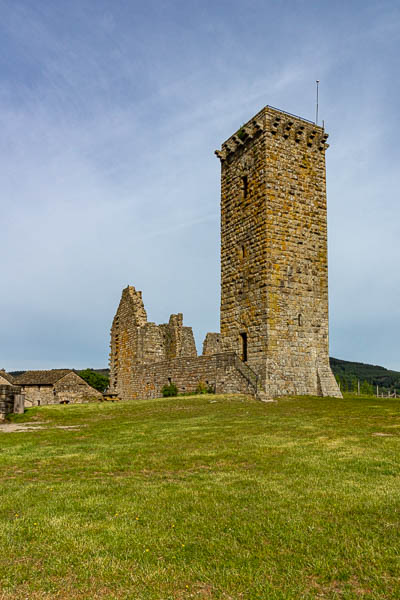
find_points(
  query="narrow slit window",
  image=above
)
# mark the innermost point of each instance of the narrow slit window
(243, 338)
(245, 186)
(300, 319)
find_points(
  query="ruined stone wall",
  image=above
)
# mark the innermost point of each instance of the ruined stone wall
(125, 331)
(274, 285)
(219, 371)
(135, 341)
(212, 344)
(188, 343)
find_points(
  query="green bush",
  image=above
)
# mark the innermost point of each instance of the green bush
(204, 388)
(169, 390)
(241, 133)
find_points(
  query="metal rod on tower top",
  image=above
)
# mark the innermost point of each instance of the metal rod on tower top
(316, 112)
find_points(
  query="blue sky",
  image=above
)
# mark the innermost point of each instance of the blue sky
(110, 113)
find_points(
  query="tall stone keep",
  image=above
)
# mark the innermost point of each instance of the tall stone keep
(274, 268)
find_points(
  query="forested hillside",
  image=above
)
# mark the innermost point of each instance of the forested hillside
(348, 374)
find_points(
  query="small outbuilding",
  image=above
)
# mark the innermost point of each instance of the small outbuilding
(56, 386)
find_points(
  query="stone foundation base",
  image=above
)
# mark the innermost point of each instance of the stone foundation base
(224, 373)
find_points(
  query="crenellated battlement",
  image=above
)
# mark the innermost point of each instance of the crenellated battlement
(248, 132)
(276, 123)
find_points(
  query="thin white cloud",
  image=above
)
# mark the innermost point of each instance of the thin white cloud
(108, 175)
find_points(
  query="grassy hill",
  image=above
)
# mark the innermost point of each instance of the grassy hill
(211, 497)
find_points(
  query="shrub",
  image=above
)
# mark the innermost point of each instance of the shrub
(169, 390)
(241, 133)
(204, 388)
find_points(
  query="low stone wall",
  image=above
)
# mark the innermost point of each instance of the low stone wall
(219, 371)
(11, 400)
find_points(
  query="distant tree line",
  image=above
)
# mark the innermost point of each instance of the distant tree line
(348, 374)
(95, 379)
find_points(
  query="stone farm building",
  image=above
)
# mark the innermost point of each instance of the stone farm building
(273, 337)
(56, 386)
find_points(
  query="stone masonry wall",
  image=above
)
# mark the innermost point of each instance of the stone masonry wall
(212, 344)
(74, 390)
(11, 400)
(274, 284)
(135, 341)
(38, 395)
(219, 371)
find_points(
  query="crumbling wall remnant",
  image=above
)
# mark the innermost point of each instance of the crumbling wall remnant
(212, 344)
(135, 342)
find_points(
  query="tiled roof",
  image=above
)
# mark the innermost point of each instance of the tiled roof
(7, 376)
(41, 377)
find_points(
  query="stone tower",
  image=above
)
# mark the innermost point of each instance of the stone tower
(274, 269)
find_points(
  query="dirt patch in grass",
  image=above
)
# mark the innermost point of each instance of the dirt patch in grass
(338, 589)
(18, 427)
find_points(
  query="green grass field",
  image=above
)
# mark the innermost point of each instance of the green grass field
(203, 497)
